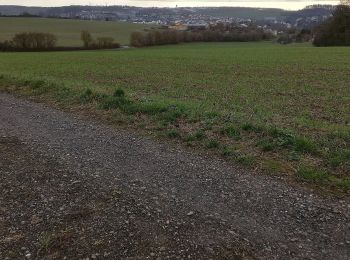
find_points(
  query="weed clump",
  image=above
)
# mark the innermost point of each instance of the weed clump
(199, 135)
(231, 132)
(342, 183)
(245, 160)
(88, 96)
(112, 102)
(36, 84)
(39, 87)
(251, 128)
(267, 145)
(119, 93)
(173, 134)
(211, 144)
(117, 101)
(279, 138)
(228, 151)
(311, 174)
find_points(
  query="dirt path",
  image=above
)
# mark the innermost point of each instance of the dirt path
(73, 188)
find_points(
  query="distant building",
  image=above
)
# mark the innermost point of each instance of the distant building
(178, 27)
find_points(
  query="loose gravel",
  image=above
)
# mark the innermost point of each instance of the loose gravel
(74, 188)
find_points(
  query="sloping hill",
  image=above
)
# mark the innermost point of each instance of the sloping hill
(68, 31)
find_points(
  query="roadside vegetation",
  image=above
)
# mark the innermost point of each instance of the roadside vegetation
(279, 109)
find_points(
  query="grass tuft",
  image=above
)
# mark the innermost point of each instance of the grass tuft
(211, 144)
(230, 131)
(251, 128)
(340, 158)
(267, 145)
(119, 93)
(245, 160)
(343, 183)
(228, 151)
(199, 135)
(35, 84)
(89, 96)
(312, 174)
(173, 133)
(86, 96)
(302, 144)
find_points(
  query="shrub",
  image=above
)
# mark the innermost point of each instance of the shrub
(105, 42)
(33, 40)
(137, 39)
(86, 38)
(334, 31)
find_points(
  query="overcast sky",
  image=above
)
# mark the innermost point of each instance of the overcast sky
(286, 4)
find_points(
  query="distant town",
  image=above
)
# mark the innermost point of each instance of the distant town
(183, 18)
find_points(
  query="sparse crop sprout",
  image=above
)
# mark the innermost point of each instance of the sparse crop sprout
(119, 93)
(238, 100)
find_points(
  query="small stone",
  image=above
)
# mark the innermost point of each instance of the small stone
(284, 246)
(190, 213)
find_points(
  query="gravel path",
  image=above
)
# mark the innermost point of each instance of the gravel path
(74, 188)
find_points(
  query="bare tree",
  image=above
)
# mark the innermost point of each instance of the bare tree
(86, 37)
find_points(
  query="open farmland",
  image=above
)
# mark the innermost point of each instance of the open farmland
(281, 109)
(68, 31)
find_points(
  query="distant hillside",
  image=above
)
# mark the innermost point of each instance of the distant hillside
(239, 12)
(244, 12)
(17, 10)
(308, 12)
(308, 17)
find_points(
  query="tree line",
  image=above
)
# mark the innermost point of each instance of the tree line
(336, 30)
(36, 41)
(99, 43)
(212, 34)
(30, 40)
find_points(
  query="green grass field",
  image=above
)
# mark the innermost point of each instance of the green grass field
(282, 109)
(68, 31)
